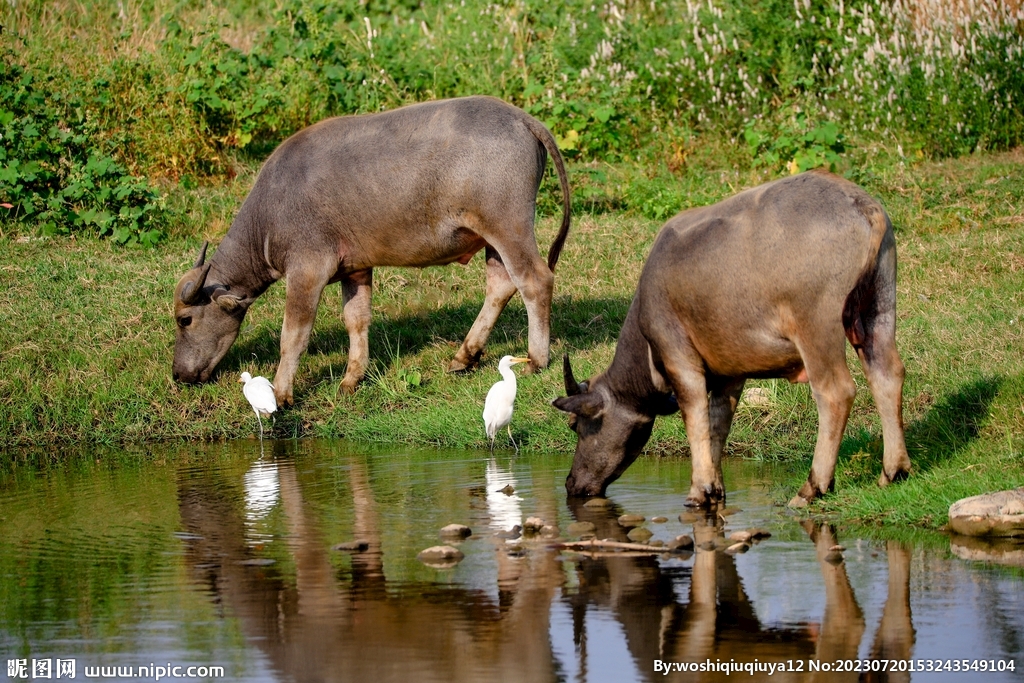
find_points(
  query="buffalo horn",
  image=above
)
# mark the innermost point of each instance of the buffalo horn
(192, 291)
(571, 387)
(202, 255)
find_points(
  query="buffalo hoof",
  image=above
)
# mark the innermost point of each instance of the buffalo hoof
(705, 496)
(285, 400)
(798, 502)
(899, 475)
(463, 365)
(533, 368)
(807, 493)
(348, 388)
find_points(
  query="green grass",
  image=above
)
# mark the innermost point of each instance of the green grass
(148, 122)
(86, 346)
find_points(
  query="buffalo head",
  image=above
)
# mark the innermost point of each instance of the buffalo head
(610, 431)
(208, 318)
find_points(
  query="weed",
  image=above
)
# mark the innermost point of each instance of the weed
(53, 174)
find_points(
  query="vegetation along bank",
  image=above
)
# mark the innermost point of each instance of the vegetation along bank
(132, 131)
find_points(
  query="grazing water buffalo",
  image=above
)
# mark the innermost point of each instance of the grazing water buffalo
(423, 185)
(768, 283)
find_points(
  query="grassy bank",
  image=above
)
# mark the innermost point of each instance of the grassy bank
(88, 337)
(143, 123)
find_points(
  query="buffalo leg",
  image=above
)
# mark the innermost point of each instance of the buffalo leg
(842, 625)
(833, 388)
(676, 359)
(537, 288)
(500, 289)
(884, 371)
(356, 293)
(725, 395)
(536, 283)
(894, 639)
(686, 374)
(301, 300)
(882, 365)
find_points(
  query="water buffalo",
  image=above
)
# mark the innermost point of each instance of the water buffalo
(768, 283)
(422, 185)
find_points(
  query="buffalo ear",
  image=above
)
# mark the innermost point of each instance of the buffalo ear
(586, 404)
(229, 302)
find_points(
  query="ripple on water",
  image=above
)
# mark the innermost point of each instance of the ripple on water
(221, 554)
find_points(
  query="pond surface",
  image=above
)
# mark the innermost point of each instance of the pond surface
(216, 556)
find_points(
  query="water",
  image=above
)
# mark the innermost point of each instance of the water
(213, 556)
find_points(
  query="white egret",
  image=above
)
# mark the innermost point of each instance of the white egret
(498, 405)
(260, 393)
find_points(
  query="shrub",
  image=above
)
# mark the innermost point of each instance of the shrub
(796, 83)
(54, 174)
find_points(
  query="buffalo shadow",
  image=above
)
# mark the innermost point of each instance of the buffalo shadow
(577, 322)
(950, 425)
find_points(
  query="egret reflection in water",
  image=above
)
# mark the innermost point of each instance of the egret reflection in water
(338, 617)
(504, 505)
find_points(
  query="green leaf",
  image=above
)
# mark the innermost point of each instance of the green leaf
(603, 114)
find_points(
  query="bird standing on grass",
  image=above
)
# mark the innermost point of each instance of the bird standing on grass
(498, 405)
(260, 393)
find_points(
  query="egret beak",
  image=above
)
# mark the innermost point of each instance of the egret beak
(519, 360)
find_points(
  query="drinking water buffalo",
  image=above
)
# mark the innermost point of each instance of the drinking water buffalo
(768, 283)
(423, 185)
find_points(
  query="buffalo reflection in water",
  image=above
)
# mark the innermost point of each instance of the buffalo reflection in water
(324, 624)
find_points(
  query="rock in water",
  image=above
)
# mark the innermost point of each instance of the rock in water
(581, 528)
(456, 531)
(533, 525)
(681, 543)
(630, 520)
(549, 531)
(992, 514)
(441, 556)
(352, 546)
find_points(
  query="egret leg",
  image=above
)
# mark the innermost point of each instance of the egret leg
(509, 427)
(260, 423)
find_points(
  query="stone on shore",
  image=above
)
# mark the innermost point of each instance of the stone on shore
(991, 514)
